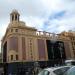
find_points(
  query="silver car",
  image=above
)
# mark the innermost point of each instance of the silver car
(55, 71)
(71, 71)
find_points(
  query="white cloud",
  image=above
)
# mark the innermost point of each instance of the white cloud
(64, 24)
(53, 4)
(2, 32)
(40, 10)
(34, 22)
(37, 12)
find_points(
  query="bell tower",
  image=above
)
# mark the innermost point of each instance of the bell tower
(14, 16)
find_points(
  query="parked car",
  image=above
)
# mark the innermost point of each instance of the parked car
(55, 71)
(70, 62)
(71, 71)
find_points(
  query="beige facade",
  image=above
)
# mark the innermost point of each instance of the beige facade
(20, 42)
(25, 35)
(69, 44)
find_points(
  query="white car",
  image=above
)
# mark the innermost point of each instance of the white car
(55, 71)
(71, 71)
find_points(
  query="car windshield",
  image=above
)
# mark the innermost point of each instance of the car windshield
(44, 72)
(61, 71)
(71, 71)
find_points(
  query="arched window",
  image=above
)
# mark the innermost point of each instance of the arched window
(11, 57)
(16, 30)
(16, 57)
(15, 17)
(12, 17)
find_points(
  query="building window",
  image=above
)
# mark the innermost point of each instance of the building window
(32, 57)
(30, 43)
(12, 17)
(74, 43)
(74, 53)
(15, 17)
(11, 57)
(16, 30)
(16, 57)
(11, 30)
(31, 48)
(13, 43)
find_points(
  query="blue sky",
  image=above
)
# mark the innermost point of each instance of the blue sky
(46, 15)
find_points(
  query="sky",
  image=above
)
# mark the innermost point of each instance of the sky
(45, 15)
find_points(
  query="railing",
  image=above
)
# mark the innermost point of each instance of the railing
(47, 34)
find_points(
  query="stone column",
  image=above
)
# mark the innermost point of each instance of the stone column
(20, 48)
